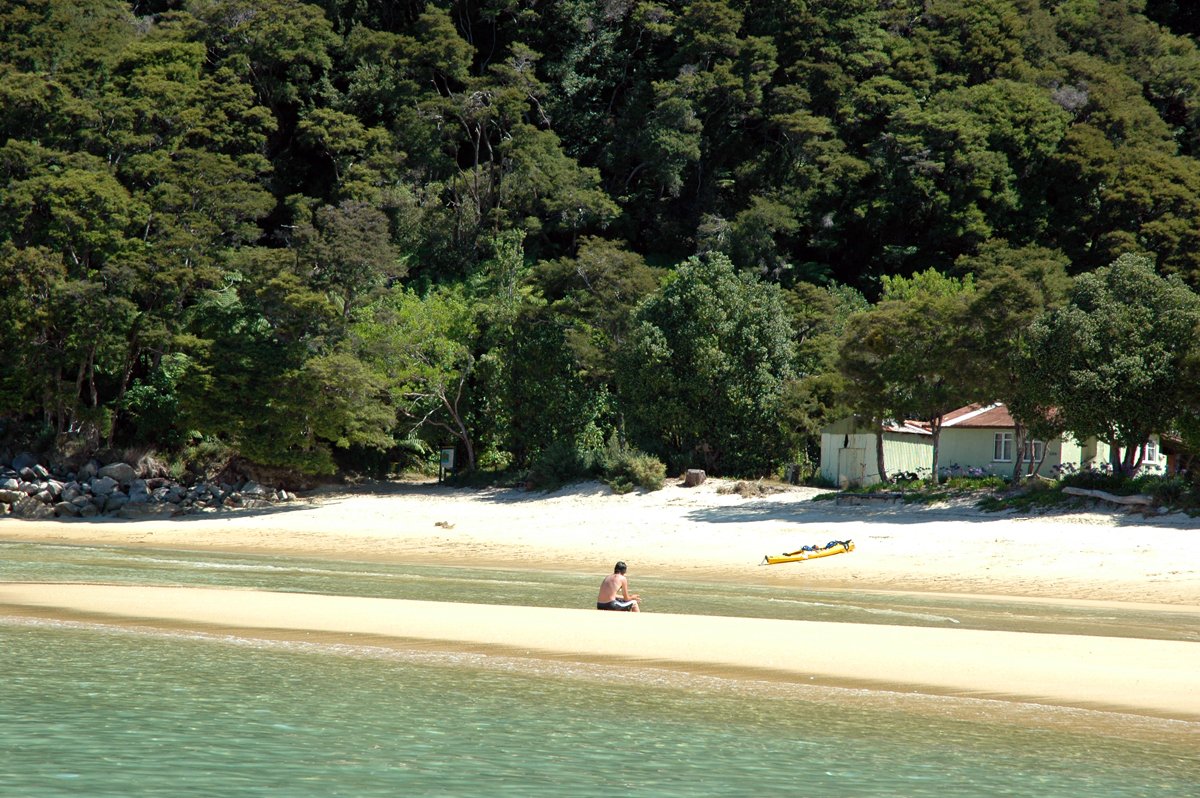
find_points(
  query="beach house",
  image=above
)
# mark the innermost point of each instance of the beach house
(976, 439)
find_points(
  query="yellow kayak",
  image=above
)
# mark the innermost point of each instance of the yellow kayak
(810, 552)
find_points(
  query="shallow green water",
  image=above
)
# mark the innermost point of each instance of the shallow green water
(92, 711)
(98, 710)
(58, 563)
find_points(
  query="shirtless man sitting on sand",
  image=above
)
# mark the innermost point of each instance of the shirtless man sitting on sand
(614, 592)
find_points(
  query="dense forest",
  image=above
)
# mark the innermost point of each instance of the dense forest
(339, 234)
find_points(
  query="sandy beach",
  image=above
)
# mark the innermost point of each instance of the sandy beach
(1098, 557)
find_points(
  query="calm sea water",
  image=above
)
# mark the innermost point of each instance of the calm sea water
(95, 711)
(98, 710)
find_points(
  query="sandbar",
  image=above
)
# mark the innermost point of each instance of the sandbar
(1094, 555)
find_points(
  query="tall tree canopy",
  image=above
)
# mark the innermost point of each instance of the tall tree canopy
(206, 205)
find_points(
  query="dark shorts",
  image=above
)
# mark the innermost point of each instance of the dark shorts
(615, 604)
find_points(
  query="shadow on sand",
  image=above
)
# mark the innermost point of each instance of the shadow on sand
(827, 512)
(794, 505)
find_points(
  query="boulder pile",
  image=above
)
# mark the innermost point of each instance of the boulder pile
(29, 489)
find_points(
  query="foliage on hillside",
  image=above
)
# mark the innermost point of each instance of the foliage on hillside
(337, 235)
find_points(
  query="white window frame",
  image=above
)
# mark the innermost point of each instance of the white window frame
(1150, 452)
(1002, 448)
(1033, 451)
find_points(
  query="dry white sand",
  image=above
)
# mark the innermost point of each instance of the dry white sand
(701, 533)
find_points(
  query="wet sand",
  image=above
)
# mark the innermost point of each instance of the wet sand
(1155, 677)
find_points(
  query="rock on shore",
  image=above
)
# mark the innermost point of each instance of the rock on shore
(29, 489)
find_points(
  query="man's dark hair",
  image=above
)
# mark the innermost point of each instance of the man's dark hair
(620, 567)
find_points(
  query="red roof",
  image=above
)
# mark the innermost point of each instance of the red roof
(993, 416)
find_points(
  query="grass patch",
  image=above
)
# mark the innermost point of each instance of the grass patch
(1032, 497)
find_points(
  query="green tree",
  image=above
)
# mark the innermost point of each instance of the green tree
(347, 252)
(966, 167)
(905, 355)
(69, 39)
(1118, 182)
(281, 47)
(702, 374)
(932, 342)
(356, 157)
(1015, 288)
(1114, 356)
(515, 174)
(283, 50)
(72, 205)
(819, 394)
(871, 391)
(592, 298)
(31, 280)
(597, 292)
(423, 347)
(547, 399)
(269, 375)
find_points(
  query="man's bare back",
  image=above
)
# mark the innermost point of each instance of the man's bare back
(614, 592)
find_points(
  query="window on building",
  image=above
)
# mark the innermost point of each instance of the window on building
(1150, 455)
(1004, 447)
(1033, 451)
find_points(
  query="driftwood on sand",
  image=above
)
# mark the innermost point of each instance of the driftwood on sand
(1139, 499)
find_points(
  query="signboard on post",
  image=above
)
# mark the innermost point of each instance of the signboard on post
(447, 463)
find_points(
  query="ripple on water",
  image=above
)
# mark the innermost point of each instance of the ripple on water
(141, 712)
